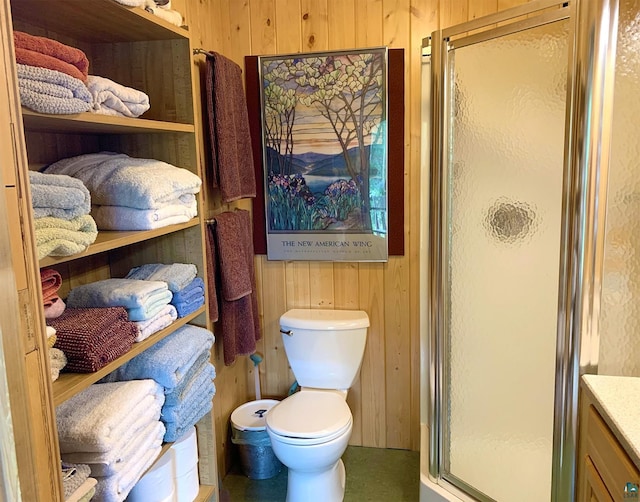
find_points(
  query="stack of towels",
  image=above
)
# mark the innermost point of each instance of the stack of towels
(187, 289)
(77, 483)
(133, 194)
(180, 364)
(114, 428)
(61, 206)
(54, 78)
(93, 337)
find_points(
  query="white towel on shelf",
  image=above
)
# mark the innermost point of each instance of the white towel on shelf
(102, 415)
(111, 98)
(128, 218)
(50, 91)
(161, 320)
(119, 458)
(115, 179)
(116, 487)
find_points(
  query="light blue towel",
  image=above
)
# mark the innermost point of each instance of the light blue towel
(127, 293)
(177, 275)
(50, 91)
(174, 396)
(169, 360)
(119, 180)
(177, 429)
(152, 307)
(58, 196)
(200, 385)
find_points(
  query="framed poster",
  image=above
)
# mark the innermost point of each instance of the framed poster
(324, 155)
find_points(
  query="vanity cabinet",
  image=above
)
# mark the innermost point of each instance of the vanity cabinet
(606, 472)
(137, 49)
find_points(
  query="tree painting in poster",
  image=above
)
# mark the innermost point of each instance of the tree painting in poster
(324, 141)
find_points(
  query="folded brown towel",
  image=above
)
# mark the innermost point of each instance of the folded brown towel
(229, 135)
(93, 337)
(239, 322)
(51, 280)
(51, 54)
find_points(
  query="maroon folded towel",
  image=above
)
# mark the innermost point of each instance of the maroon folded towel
(239, 321)
(229, 135)
(51, 280)
(51, 54)
(93, 337)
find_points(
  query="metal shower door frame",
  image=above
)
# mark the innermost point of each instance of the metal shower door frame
(590, 74)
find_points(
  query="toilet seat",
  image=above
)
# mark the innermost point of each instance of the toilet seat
(310, 417)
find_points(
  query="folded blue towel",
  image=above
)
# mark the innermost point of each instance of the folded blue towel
(202, 384)
(199, 410)
(127, 293)
(169, 360)
(194, 289)
(152, 307)
(174, 396)
(186, 308)
(58, 196)
(178, 276)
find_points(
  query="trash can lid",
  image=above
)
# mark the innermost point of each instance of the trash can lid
(251, 416)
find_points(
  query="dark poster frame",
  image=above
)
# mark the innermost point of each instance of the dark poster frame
(395, 138)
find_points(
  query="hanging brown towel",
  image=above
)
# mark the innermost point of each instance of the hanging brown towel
(229, 136)
(239, 322)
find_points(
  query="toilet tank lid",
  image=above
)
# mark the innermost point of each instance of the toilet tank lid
(325, 319)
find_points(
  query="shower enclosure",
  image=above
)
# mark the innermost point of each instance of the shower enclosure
(520, 115)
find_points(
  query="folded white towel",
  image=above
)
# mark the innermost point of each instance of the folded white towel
(150, 437)
(116, 487)
(111, 98)
(129, 218)
(161, 320)
(101, 415)
(50, 91)
(119, 180)
(127, 293)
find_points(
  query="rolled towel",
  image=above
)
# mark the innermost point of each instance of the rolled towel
(51, 280)
(115, 488)
(58, 237)
(150, 437)
(119, 180)
(58, 195)
(161, 320)
(129, 218)
(91, 338)
(201, 385)
(73, 476)
(127, 293)
(55, 308)
(57, 361)
(111, 98)
(49, 91)
(48, 53)
(177, 275)
(169, 360)
(51, 336)
(99, 417)
(199, 410)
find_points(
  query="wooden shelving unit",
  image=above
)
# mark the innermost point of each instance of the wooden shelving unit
(136, 49)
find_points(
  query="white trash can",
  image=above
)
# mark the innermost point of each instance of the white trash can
(249, 434)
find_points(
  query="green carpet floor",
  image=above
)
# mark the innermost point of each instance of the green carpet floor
(373, 475)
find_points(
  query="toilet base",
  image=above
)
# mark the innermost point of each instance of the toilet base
(327, 486)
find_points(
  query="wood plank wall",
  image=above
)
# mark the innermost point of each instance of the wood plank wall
(385, 400)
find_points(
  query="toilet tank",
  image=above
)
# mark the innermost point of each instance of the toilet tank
(324, 347)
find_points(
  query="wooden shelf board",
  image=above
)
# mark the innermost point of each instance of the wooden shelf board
(87, 123)
(70, 384)
(96, 21)
(108, 240)
(205, 494)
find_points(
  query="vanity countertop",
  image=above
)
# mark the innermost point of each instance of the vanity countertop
(617, 399)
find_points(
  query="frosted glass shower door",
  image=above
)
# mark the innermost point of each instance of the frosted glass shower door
(503, 208)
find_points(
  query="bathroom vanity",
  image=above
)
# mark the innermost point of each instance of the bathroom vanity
(609, 443)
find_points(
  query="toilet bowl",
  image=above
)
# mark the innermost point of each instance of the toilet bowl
(309, 432)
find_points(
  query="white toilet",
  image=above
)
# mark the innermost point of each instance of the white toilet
(310, 429)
